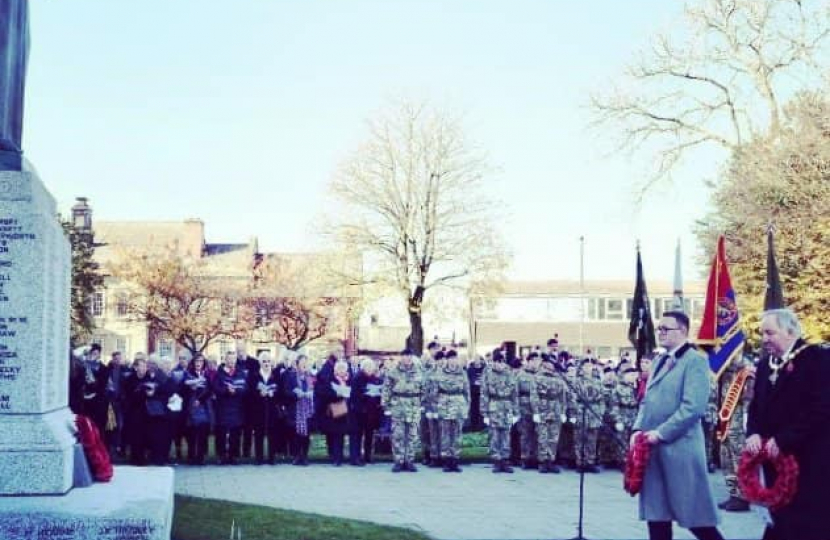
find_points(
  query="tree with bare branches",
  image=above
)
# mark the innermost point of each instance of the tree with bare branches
(412, 199)
(182, 298)
(295, 301)
(720, 80)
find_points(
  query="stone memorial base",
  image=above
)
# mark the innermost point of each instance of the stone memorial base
(136, 505)
(36, 453)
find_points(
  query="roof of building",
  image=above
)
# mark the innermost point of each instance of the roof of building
(571, 287)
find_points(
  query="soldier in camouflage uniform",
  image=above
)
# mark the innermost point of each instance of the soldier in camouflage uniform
(710, 421)
(606, 445)
(401, 397)
(731, 447)
(526, 382)
(429, 420)
(452, 389)
(500, 409)
(548, 404)
(624, 407)
(566, 449)
(590, 411)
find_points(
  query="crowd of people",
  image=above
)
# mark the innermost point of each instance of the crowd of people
(543, 409)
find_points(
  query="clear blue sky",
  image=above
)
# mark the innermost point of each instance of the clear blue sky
(239, 112)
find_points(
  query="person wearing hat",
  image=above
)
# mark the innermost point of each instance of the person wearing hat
(589, 414)
(430, 438)
(452, 401)
(548, 403)
(500, 409)
(526, 382)
(401, 399)
(624, 404)
(566, 451)
(607, 442)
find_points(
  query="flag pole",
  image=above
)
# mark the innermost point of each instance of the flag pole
(581, 296)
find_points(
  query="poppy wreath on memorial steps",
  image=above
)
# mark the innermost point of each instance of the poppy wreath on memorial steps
(635, 464)
(749, 479)
(94, 449)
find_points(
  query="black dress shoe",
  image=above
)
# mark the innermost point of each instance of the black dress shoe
(735, 504)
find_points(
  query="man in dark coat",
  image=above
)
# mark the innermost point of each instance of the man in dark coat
(790, 414)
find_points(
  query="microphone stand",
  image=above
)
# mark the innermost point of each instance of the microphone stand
(580, 397)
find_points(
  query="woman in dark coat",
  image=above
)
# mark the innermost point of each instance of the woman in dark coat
(266, 408)
(366, 391)
(147, 397)
(230, 387)
(198, 404)
(337, 418)
(297, 391)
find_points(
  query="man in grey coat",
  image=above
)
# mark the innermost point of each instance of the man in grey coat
(676, 485)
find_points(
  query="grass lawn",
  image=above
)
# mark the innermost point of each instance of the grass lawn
(474, 448)
(206, 519)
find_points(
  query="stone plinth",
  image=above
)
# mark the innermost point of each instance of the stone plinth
(35, 271)
(136, 505)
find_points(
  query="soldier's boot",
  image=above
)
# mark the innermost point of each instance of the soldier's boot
(505, 467)
(736, 504)
(410, 467)
(554, 468)
(528, 464)
(497, 466)
(397, 467)
(447, 465)
(454, 465)
(543, 467)
(426, 461)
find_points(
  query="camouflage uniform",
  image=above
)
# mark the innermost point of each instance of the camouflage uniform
(500, 404)
(606, 446)
(624, 406)
(401, 396)
(566, 448)
(587, 425)
(731, 447)
(526, 382)
(549, 402)
(710, 421)
(430, 426)
(452, 405)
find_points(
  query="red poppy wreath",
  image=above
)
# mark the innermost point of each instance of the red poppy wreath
(786, 479)
(94, 448)
(635, 464)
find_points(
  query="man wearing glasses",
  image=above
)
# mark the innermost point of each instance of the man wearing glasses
(676, 485)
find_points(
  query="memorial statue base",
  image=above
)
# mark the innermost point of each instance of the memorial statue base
(36, 453)
(36, 432)
(136, 505)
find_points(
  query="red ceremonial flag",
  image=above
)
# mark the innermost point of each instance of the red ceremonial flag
(720, 331)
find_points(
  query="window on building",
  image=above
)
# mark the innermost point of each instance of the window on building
(121, 345)
(592, 308)
(601, 309)
(97, 307)
(658, 308)
(165, 348)
(614, 309)
(121, 305)
(604, 352)
(629, 305)
(224, 347)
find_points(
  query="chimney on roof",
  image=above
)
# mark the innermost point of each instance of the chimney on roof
(82, 215)
(194, 239)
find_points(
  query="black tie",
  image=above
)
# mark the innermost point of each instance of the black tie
(660, 364)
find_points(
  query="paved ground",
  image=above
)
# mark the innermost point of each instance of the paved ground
(474, 505)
